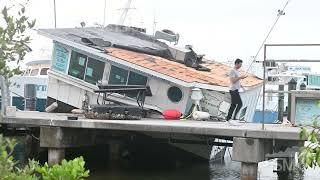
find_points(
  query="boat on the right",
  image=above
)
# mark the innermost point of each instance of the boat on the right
(283, 74)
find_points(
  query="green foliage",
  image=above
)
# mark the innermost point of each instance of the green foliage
(68, 170)
(13, 38)
(8, 168)
(309, 155)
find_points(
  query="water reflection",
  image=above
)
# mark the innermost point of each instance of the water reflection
(176, 170)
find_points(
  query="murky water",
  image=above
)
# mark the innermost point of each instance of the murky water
(226, 170)
(158, 162)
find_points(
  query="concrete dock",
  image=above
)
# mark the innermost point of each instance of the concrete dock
(209, 128)
(251, 144)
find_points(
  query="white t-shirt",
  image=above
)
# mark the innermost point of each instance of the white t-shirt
(234, 74)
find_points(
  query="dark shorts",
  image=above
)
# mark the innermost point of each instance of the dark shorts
(235, 97)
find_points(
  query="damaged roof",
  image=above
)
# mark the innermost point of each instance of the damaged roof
(112, 35)
(218, 76)
(112, 41)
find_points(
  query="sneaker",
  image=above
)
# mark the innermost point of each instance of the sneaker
(233, 122)
(240, 120)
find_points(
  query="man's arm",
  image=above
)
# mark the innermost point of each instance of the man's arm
(235, 79)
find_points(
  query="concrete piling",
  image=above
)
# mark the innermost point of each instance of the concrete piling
(114, 151)
(249, 171)
(55, 155)
(292, 85)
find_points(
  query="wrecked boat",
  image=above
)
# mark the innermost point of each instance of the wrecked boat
(98, 69)
(124, 56)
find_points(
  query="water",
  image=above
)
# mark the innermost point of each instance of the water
(226, 170)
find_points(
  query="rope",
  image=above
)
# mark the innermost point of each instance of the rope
(194, 108)
(280, 13)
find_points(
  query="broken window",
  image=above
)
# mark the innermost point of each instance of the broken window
(118, 75)
(136, 79)
(94, 71)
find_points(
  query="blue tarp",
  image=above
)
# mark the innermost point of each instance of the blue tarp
(269, 118)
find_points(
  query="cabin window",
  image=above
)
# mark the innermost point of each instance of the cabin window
(118, 75)
(44, 71)
(94, 71)
(243, 114)
(136, 79)
(60, 58)
(78, 64)
(27, 73)
(34, 72)
(174, 94)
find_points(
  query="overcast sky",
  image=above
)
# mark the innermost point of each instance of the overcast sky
(222, 29)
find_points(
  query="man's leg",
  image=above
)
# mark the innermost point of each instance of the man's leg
(231, 109)
(239, 104)
(232, 106)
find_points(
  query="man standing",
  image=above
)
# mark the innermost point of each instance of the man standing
(236, 102)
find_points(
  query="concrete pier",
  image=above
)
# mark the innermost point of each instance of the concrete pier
(251, 144)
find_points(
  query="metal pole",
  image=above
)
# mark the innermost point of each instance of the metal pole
(264, 85)
(55, 14)
(104, 13)
(293, 44)
(280, 103)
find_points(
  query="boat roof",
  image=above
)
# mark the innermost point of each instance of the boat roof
(218, 75)
(157, 63)
(38, 62)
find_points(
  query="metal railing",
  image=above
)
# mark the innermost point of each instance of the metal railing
(279, 60)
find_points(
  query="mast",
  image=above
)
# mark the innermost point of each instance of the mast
(125, 12)
(55, 13)
(104, 13)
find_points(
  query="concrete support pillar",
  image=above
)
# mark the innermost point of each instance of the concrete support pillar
(292, 85)
(249, 152)
(249, 171)
(57, 139)
(55, 155)
(115, 151)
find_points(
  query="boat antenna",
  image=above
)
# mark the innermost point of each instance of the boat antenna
(280, 13)
(104, 13)
(125, 11)
(154, 22)
(55, 14)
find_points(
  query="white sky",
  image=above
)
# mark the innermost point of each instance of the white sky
(222, 29)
